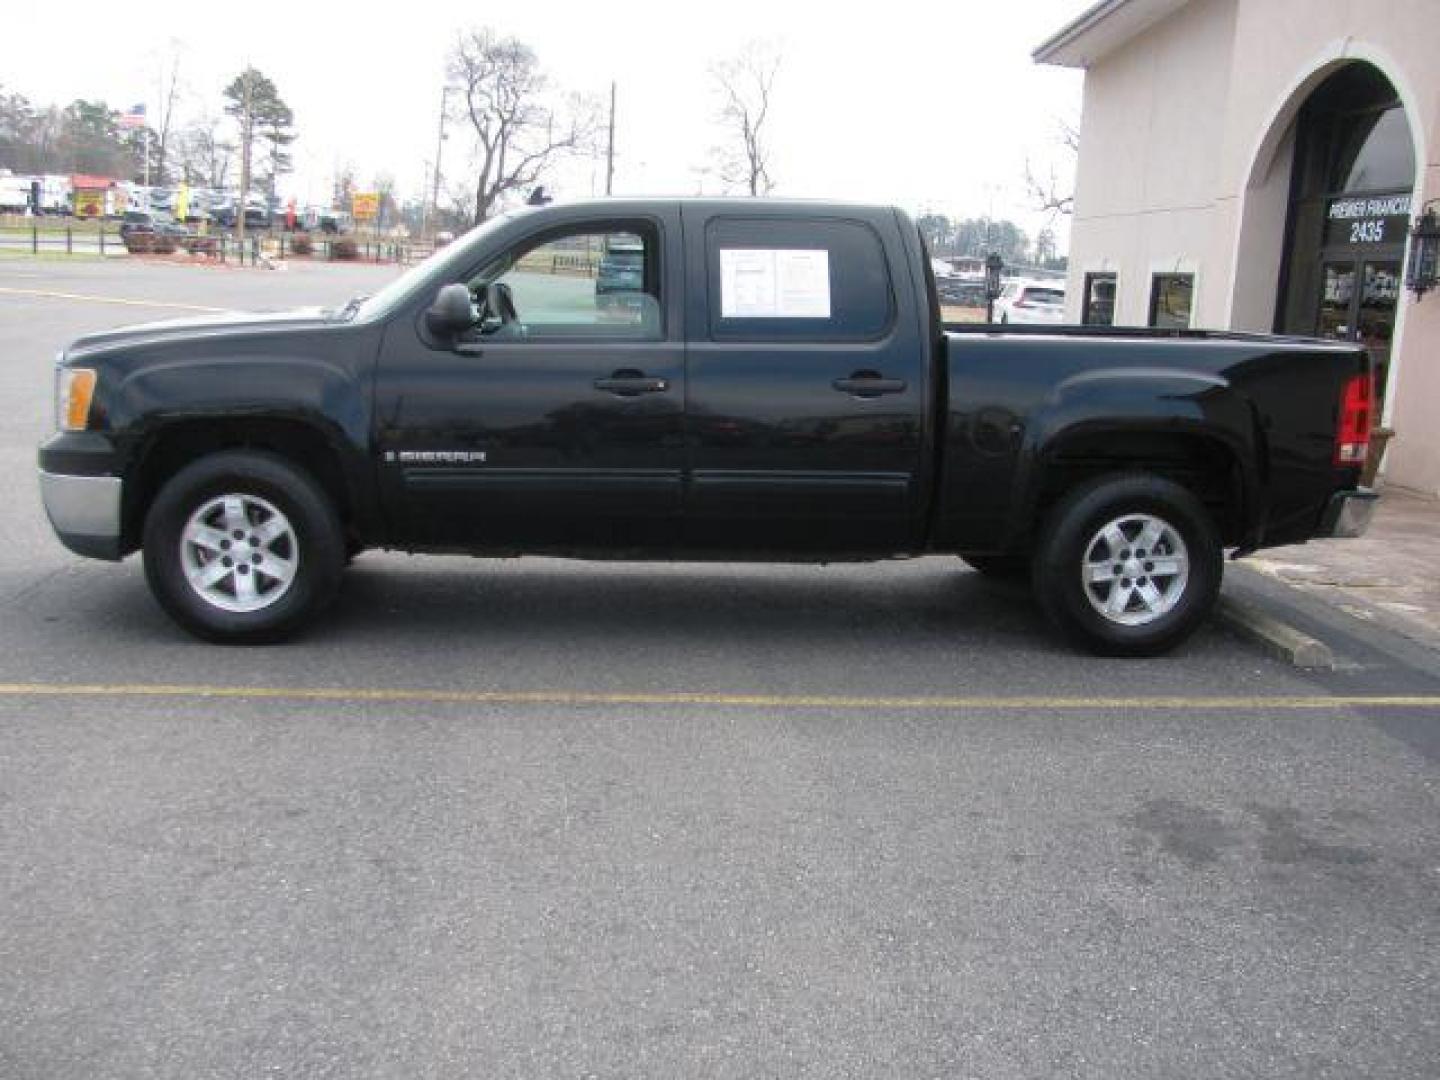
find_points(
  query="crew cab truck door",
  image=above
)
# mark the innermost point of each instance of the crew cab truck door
(807, 382)
(555, 421)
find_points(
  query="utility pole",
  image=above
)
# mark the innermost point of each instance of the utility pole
(610, 145)
(247, 127)
(439, 145)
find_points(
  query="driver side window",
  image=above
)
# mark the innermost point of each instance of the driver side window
(589, 283)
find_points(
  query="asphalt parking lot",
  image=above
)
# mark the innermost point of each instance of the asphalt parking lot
(543, 819)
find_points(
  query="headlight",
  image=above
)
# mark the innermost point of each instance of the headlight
(73, 390)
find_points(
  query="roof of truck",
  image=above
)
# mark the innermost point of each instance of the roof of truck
(716, 203)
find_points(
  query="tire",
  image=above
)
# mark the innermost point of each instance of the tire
(1000, 567)
(285, 566)
(1139, 609)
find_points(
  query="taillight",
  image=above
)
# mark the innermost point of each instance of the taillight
(1352, 434)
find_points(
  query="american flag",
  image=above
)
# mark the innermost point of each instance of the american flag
(134, 117)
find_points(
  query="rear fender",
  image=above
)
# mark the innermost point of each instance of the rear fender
(1123, 402)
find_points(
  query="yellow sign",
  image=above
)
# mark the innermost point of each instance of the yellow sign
(89, 202)
(365, 205)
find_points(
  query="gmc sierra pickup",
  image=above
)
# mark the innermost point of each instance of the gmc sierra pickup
(687, 379)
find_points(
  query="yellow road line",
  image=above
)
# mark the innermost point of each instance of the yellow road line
(421, 695)
(50, 294)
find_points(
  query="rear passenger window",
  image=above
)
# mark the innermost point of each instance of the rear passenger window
(778, 279)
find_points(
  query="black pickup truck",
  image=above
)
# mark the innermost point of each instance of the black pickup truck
(687, 379)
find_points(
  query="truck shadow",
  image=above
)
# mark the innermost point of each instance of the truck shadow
(875, 627)
(663, 604)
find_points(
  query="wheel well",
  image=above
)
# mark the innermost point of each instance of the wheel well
(1205, 466)
(177, 445)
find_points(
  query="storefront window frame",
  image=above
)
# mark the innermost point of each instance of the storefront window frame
(1156, 280)
(1087, 296)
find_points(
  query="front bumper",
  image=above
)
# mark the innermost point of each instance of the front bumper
(1349, 513)
(85, 512)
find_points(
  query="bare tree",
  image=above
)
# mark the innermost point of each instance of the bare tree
(1048, 194)
(169, 93)
(507, 100)
(389, 210)
(344, 186)
(205, 156)
(745, 84)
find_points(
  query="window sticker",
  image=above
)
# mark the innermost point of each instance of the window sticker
(779, 283)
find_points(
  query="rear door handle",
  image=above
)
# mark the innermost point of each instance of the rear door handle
(628, 382)
(864, 384)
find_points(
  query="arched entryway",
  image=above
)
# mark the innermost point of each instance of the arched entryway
(1349, 213)
(1326, 212)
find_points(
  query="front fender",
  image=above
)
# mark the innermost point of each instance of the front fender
(280, 387)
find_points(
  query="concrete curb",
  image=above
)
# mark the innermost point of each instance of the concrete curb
(1277, 638)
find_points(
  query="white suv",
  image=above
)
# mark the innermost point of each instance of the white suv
(1031, 302)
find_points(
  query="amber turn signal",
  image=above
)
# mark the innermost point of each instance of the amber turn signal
(77, 387)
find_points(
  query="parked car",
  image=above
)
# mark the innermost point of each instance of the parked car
(961, 291)
(225, 214)
(1031, 302)
(621, 270)
(136, 221)
(144, 221)
(144, 232)
(326, 219)
(789, 394)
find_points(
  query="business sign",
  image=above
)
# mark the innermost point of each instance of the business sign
(1367, 219)
(89, 203)
(365, 205)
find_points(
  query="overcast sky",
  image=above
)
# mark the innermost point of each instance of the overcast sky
(929, 105)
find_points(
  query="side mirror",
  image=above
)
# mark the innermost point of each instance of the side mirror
(453, 311)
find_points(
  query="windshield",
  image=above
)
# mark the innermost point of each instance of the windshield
(432, 269)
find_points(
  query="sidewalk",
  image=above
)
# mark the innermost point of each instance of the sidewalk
(1390, 576)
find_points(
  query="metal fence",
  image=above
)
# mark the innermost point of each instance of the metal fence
(39, 235)
(344, 248)
(33, 236)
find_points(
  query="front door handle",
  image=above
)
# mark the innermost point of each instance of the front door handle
(628, 382)
(869, 384)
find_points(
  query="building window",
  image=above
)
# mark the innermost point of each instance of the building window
(1099, 309)
(1171, 296)
(1374, 152)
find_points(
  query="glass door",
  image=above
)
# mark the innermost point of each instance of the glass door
(1375, 316)
(1337, 300)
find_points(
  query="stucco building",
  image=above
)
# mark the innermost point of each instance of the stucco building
(1257, 165)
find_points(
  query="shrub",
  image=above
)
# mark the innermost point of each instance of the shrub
(344, 248)
(301, 244)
